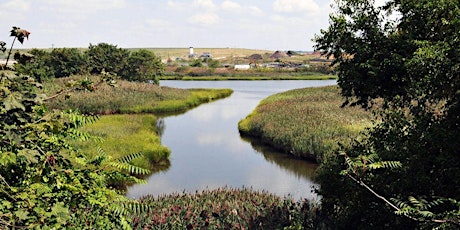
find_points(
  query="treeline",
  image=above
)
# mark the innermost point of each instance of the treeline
(141, 65)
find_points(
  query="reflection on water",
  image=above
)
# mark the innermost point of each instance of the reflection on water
(295, 166)
(207, 151)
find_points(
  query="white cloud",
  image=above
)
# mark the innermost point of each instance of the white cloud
(175, 5)
(231, 6)
(290, 6)
(205, 19)
(255, 10)
(234, 7)
(88, 5)
(205, 4)
(15, 5)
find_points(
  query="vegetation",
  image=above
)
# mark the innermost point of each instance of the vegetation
(143, 66)
(251, 77)
(308, 122)
(139, 66)
(405, 173)
(130, 97)
(226, 209)
(122, 134)
(45, 183)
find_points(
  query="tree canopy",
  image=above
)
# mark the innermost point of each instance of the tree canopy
(402, 60)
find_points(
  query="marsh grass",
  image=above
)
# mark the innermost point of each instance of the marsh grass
(131, 97)
(306, 122)
(133, 129)
(126, 134)
(225, 208)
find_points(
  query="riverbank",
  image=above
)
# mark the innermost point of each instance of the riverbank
(131, 97)
(135, 128)
(252, 77)
(307, 123)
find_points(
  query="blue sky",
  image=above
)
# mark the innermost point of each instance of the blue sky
(258, 24)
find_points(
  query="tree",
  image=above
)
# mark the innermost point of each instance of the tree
(105, 57)
(66, 62)
(34, 64)
(143, 66)
(401, 60)
(44, 181)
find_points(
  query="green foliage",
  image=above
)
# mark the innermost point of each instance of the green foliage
(196, 63)
(407, 68)
(212, 63)
(34, 64)
(44, 182)
(66, 62)
(143, 66)
(106, 57)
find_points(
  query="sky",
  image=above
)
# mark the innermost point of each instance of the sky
(255, 24)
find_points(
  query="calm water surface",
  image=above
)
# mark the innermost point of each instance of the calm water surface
(207, 151)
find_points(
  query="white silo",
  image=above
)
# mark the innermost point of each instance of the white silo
(191, 54)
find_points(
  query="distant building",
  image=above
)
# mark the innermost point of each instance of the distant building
(191, 53)
(206, 55)
(242, 67)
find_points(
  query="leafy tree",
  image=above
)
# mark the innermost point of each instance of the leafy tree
(35, 64)
(143, 66)
(403, 61)
(66, 62)
(106, 57)
(45, 182)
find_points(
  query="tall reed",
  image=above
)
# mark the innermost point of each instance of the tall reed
(306, 122)
(132, 97)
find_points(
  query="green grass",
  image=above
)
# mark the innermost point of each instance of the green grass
(126, 134)
(305, 122)
(130, 97)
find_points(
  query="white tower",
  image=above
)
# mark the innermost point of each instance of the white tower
(191, 54)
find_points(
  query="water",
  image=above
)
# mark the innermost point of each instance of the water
(207, 151)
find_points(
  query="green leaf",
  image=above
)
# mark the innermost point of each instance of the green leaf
(21, 214)
(11, 102)
(61, 212)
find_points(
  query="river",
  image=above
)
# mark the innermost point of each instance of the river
(207, 151)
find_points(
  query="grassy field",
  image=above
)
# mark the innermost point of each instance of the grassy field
(305, 122)
(216, 52)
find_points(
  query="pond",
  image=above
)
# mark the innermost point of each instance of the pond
(208, 152)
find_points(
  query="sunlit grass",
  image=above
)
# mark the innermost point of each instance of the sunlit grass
(306, 122)
(126, 134)
(131, 97)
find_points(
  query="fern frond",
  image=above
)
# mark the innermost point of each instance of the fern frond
(100, 157)
(129, 168)
(128, 158)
